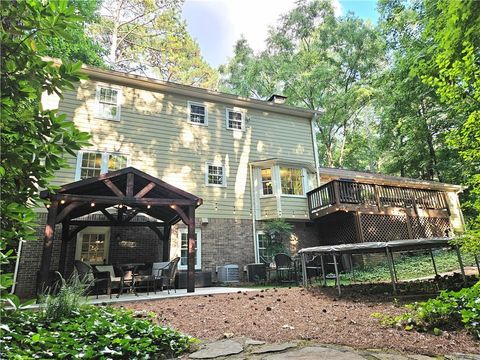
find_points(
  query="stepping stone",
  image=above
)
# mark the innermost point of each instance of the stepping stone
(249, 342)
(387, 356)
(217, 349)
(459, 356)
(420, 357)
(274, 348)
(315, 352)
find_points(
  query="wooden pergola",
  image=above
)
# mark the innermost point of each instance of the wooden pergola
(132, 192)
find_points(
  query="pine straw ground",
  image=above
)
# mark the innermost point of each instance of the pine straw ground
(277, 315)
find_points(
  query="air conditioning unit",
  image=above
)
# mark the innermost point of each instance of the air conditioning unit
(228, 273)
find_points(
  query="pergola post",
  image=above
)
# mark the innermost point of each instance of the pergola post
(48, 238)
(167, 230)
(191, 250)
(63, 248)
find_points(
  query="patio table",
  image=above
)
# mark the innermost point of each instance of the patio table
(128, 270)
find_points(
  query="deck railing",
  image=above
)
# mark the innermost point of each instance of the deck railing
(338, 192)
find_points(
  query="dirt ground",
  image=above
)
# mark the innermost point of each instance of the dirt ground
(276, 315)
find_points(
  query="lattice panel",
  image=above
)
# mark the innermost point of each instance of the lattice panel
(338, 228)
(383, 227)
(426, 227)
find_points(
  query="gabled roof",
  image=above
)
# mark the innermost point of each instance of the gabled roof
(129, 187)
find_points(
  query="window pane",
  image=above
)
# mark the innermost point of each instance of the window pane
(291, 181)
(267, 181)
(93, 248)
(235, 120)
(116, 162)
(91, 165)
(215, 175)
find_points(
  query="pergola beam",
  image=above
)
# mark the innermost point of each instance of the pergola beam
(132, 201)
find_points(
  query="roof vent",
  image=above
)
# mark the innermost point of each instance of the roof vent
(277, 99)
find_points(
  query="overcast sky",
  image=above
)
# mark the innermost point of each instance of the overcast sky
(218, 24)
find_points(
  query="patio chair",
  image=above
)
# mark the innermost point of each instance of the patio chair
(98, 281)
(314, 268)
(143, 278)
(167, 275)
(116, 276)
(284, 265)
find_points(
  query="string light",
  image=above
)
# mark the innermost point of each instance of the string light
(62, 202)
(234, 210)
(305, 213)
(293, 213)
(251, 212)
(216, 206)
(48, 206)
(149, 206)
(92, 204)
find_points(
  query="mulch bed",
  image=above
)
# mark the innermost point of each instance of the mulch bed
(277, 315)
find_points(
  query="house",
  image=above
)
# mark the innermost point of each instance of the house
(249, 160)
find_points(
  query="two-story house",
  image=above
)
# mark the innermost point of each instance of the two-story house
(249, 160)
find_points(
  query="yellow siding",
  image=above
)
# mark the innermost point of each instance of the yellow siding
(294, 207)
(154, 132)
(268, 208)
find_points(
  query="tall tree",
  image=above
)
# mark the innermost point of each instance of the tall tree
(149, 37)
(33, 141)
(320, 62)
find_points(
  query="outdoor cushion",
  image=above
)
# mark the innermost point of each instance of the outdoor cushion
(110, 269)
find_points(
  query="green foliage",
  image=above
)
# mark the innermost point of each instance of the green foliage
(34, 141)
(277, 231)
(319, 61)
(469, 242)
(77, 45)
(93, 333)
(450, 310)
(411, 267)
(65, 303)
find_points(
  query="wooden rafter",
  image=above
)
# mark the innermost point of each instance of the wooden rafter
(114, 188)
(145, 190)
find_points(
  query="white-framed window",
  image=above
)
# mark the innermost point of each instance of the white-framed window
(93, 245)
(108, 102)
(197, 113)
(267, 185)
(94, 163)
(235, 119)
(291, 181)
(262, 241)
(215, 174)
(183, 240)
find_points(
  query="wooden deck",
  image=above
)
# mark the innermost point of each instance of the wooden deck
(352, 196)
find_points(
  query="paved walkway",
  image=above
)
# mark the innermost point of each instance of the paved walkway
(244, 348)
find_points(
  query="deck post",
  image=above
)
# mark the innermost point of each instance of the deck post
(167, 229)
(460, 262)
(304, 271)
(390, 267)
(337, 276)
(433, 262)
(191, 250)
(48, 238)
(324, 277)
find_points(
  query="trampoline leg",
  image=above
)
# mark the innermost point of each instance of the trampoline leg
(324, 277)
(460, 262)
(337, 276)
(393, 265)
(433, 262)
(353, 270)
(304, 271)
(478, 264)
(392, 275)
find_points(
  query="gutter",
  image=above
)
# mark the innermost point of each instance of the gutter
(315, 148)
(17, 264)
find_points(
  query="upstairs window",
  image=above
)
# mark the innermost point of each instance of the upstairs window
(197, 114)
(235, 120)
(92, 163)
(108, 103)
(215, 175)
(291, 180)
(267, 188)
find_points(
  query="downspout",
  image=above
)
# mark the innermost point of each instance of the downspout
(254, 211)
(315, 149)
(17, 264)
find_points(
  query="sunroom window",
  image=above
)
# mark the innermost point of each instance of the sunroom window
(291, 181)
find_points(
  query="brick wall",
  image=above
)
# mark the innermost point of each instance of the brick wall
(224, 241)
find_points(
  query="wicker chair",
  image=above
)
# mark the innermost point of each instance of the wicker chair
(99, 281)
(284, 265)
(167, 275)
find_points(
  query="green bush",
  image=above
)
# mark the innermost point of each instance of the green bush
(66, 302)
(449, 310)
(93, 333)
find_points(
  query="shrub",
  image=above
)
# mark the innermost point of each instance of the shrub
(93, 333)
(449, 310)
(66, 302)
